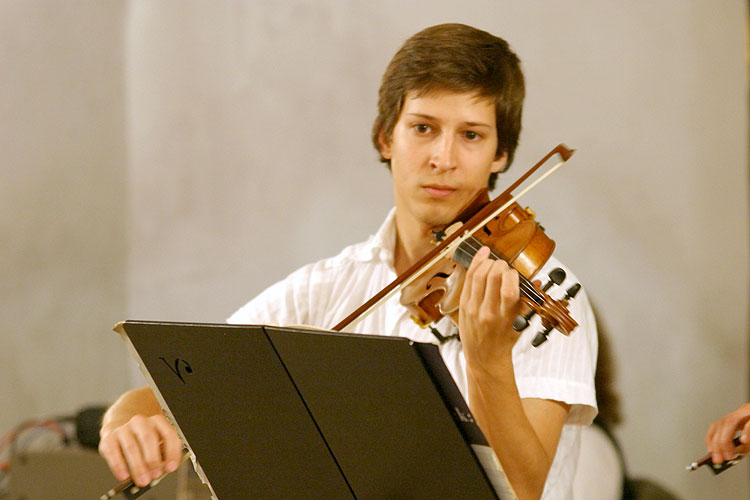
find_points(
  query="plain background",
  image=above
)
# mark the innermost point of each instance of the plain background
(170, 159)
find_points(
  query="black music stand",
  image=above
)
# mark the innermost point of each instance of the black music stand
(288, 413)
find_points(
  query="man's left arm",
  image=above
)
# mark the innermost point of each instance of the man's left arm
(524, 433)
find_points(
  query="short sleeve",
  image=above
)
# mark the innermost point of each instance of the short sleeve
(563, 367)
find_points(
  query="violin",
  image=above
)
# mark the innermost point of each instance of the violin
(513, 236)
(431, 288)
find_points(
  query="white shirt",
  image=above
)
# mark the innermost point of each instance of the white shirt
(600, 473)
(324, 293)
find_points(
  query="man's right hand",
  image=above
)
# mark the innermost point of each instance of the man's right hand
(146, 446)
(720, 435)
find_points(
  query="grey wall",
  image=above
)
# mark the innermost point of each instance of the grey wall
(63, 199)
(245, 153)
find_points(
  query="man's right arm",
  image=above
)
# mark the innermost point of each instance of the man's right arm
(137, 440)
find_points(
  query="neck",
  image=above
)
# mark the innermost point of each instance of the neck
(412, 242)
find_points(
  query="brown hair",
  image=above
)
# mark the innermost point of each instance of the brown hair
(458, 58)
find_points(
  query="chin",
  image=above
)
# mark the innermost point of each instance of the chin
(437, 217)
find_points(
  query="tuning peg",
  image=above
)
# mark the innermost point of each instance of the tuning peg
(521, 322)
(556, 277)
(572, 291)
(541, 337)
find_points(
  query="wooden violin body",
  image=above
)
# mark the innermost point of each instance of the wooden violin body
(513, 236)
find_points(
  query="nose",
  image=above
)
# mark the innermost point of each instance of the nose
(444, 153)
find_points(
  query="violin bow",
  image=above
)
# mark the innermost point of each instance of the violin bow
(451, 242)
(131, 491)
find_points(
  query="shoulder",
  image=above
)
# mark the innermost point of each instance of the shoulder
(563, 367)
(305, 294)
(315, 293)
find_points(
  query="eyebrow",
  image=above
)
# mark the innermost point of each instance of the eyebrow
(430, 117)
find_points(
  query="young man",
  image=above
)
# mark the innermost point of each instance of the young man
(449, 119)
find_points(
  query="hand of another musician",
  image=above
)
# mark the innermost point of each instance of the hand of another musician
(721, 433)
(489, 304)
(144, 448)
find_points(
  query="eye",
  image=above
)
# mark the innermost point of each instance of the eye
(472, 136)
(422, 128)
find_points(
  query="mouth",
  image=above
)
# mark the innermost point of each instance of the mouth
(438, 190)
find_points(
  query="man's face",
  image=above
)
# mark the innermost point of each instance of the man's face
(442, 153)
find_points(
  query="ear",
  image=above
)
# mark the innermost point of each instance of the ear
(385, 147)
(499, 163)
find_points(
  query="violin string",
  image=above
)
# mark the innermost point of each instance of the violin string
(468, 248)
(474, 244)
(525, 285)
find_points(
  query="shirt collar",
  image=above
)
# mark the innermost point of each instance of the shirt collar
(382, 244)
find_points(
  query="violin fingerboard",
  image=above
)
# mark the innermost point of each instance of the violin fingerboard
(464, 254)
